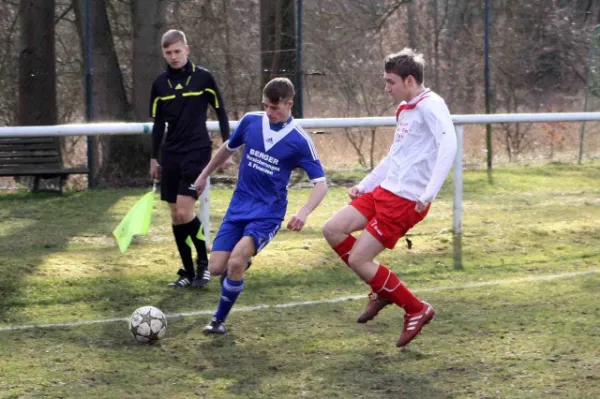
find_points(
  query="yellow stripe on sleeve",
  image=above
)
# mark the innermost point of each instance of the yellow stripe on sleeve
(214, 94)
(157, 99)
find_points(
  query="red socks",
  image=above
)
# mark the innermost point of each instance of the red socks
(388, 285)
(343, 248)
(385, 283)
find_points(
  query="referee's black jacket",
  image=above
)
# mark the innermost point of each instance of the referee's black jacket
(180, 98)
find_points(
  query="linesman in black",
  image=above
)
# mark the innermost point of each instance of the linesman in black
(179, 101)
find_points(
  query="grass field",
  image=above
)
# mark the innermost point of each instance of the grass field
(522, 320)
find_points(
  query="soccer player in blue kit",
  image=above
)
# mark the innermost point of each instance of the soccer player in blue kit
(274, 146)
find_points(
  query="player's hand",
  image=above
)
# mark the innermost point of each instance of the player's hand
(354, 192)
(200, 184)
(154, 169)
(421, 206)
(297, 222)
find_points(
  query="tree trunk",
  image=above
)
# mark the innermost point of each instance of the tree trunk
(278, 39)
(229, 71)
(436, 46)
(108, 97)
(148, 22)
(411, 26)
(37, 70)
(132, 153)
(9, 62)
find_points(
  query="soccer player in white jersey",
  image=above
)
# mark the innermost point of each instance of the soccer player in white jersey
(397, 194)
(274, 146)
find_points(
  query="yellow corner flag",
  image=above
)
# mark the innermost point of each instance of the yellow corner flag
(136, 222)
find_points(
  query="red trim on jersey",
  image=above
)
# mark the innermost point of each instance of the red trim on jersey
(411, 106)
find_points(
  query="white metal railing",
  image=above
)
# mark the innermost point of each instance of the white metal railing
(97, 129)
(112, 128)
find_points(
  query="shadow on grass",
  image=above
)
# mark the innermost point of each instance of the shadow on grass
(194, 365)
(36, 225)
(41, 225)
(118, 293)
(510, 339)
(298, 364)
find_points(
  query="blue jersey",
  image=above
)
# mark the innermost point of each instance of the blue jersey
(271, 153)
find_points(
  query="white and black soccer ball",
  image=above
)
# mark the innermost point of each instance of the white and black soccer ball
(148, 324)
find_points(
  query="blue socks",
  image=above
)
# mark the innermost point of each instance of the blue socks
(229, 294)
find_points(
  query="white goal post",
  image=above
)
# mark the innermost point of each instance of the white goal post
(98, 129)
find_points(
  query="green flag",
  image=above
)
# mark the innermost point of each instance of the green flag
(136, 222)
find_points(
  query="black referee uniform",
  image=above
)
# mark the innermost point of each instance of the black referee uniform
(180, 99)
(178, 102)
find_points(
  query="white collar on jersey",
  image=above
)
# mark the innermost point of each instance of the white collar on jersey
(419, 96)
(271, 137)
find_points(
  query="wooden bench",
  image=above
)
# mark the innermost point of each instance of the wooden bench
(39, 157)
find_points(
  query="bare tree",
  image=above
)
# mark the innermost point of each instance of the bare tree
(539, 52)
(531, 63)
(349, 61)
(110, 99)
(131, 154)
(278, 39)
(37, 71)
(229, 59)
(9, 19)
(148, 24)
(516, 136)
(68, 72)
(224, 37)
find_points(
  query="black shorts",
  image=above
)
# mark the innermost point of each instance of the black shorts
(178, 172)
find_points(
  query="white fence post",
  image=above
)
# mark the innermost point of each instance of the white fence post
(204, 213)
(458, 199)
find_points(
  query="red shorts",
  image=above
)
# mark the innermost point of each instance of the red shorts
(389, 215)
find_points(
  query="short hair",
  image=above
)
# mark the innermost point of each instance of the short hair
(279, 89)
(406, 63)
(171, 37)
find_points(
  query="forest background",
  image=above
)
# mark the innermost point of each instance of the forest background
(542, 59)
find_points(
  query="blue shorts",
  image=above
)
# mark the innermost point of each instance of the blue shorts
(230, 233)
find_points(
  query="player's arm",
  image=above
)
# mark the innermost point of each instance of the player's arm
(439, 121)
(216, 101)
(317, 194)
(158, 132)
(309, 161)
(222, 154)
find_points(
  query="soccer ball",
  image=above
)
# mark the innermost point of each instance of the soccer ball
(148, 324)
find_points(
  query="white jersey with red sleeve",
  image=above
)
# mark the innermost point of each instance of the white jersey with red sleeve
(422, 153)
